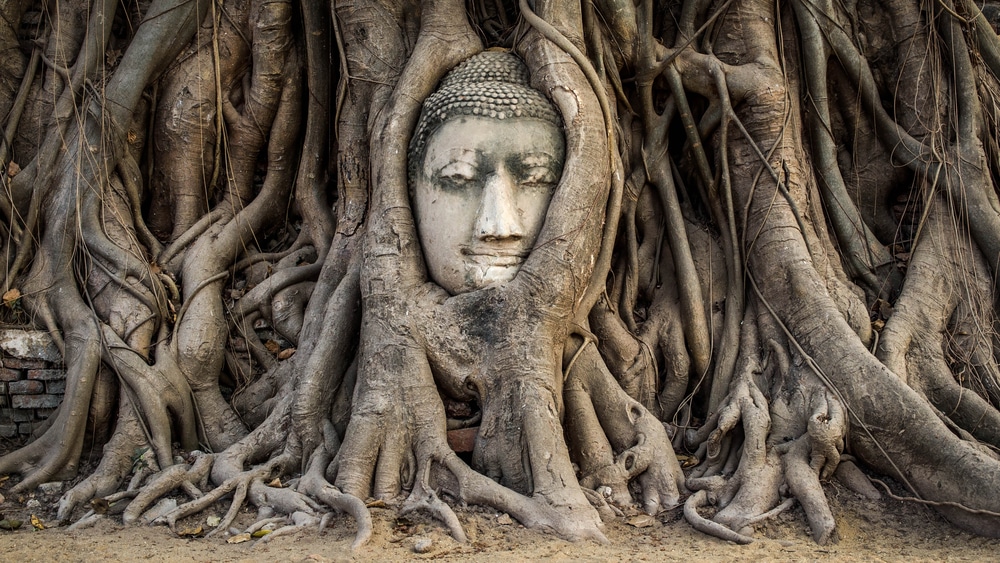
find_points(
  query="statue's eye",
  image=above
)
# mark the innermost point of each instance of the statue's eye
(457, 182)
(539, 176)
(457, 176)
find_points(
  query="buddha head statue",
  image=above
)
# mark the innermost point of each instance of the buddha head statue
(484, 161)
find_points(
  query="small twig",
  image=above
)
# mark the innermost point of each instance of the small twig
(938, 504)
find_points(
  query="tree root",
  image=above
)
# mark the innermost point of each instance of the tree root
(701, 499)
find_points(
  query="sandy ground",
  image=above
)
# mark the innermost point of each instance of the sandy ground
(885, 530)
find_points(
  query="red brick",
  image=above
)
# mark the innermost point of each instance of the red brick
(46, 374)
(463, 440)
(35, 401)
(7, 374)
(25, 387)
(20, 363)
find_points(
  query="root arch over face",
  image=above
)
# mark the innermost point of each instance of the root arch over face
(771, 249)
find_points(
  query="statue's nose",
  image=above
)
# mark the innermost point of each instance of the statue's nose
(498, 216)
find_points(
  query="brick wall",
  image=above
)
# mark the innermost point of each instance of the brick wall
(32, 380)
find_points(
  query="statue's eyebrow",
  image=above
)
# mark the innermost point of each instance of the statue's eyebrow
(451, 156)
(538, 158)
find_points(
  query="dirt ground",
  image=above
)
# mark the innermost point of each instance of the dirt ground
(885, 530)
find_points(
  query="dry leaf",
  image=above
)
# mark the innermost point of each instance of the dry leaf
(213, 521)
(641, 521)
(276, 483)
(687, 460)
(272, 346)
(36, 523)
(260, 533)
(375, 504)
(239, 538)
(12, 297)
(12, 169)
(100, 505)
(195, 532)
(286, 353)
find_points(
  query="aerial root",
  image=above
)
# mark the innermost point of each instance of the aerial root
(851, 477)
(785, 505)
(423, 498)
(298, 520)
(234, 508)
(314, 483)
(701, 499)
(116, 464)
(803, 482)
(606, 511)
(166, 481)
(206, 500)
(645, 451)
(87, 521)
(532, 512)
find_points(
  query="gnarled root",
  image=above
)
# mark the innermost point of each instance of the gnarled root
(795, 442)
(623, 426)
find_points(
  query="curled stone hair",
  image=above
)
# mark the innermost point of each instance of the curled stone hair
(493, 84)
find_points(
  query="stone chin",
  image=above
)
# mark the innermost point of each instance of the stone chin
(491, 271)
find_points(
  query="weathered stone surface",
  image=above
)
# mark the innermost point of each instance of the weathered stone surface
(21, 363)
(42, 414)
(29, 344)
(15, 415)
(7, 374)
(56, 387)
(35, 401)
(26, 427)
(26, 387)
(8, 430)
(46, 374)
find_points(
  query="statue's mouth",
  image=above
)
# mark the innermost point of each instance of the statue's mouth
(487, 258)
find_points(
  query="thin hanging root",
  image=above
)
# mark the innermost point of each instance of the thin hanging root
(706, 526)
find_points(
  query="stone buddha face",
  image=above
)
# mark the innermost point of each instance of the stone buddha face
(482, 181)
(481, 196)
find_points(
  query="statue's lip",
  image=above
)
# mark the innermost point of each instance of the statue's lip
(495, 253)
(495, 258)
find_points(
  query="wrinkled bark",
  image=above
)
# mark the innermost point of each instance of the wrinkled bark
(774, 245)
